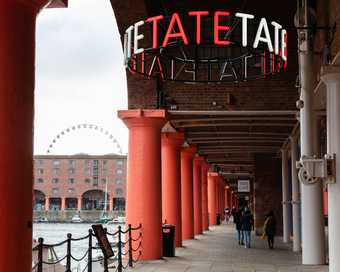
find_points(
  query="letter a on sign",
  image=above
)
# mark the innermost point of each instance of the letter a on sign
(263, 27)
(170, 35)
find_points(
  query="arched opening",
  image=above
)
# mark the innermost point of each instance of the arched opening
(94, 200)
(39, 200)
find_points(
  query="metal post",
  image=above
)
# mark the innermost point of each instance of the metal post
(313, 231)
(40, 254)
(106, 265)
(89, 255)
(130, 247)
(331, 76)
(120, 263)
(285, 200)
(68, 254)
(295, 197)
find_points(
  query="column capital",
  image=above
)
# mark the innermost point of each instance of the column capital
(330, 74)
(189, 151)
(200, 160)
(175, 139)
(213, 174)
(143, 118)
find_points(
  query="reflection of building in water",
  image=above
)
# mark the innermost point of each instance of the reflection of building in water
(79, 182)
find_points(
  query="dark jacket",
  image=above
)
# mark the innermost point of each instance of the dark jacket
(247, 221)
(237, 220)
(270, 226)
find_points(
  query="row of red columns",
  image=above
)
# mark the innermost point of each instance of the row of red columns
(167, 183)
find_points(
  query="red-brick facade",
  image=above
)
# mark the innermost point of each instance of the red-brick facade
(79, 182)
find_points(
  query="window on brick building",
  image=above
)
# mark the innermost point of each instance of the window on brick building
(95, 181)
(56, 171)
(40, 171)
(119, 192)
(55, 180)
(71, 171)
(119, 171)
(103, 181)
(40, 180)
(87, 180)
(56, 163)
(120, 163)
(39, 162)
(72, 163)
(119, 181)
(71, 190)
(55, 191)
(71, 180)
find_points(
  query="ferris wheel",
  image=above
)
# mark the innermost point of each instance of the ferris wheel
(78, 127)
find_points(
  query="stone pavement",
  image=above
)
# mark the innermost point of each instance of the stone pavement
(218, 251)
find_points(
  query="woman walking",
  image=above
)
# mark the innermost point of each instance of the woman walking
(270, 229)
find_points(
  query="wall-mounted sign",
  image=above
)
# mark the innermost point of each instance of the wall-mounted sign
(201, 46)
(243, 186)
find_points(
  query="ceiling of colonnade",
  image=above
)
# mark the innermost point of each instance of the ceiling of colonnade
(228, 122)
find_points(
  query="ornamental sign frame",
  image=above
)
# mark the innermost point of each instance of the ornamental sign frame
(206, 47)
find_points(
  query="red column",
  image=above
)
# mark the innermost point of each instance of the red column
(223, 199)
(144, 190)
(110, 203)
(171, 182)
(187, 155)
(217, 184)
(17, 71)
(212, 180)
(47, 204)
(226, 197)
(63, 204)
(205, 217)
(79, 199)
(198, 195)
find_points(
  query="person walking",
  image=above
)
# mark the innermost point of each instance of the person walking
(270, 229)
(238, 224)
(247, 222)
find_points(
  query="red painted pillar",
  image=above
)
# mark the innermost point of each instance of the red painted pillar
(79, 200)
(217, 185)
(226, 197)
(110, 203)
(212, 180)
(187, 155)
(198, 195)
(63, 204)
(223, 200)
(47, 203)
(144, 190)
(17, 72)
(171, 182)
(205, 214)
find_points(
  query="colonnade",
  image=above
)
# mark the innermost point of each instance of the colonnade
(168, 182)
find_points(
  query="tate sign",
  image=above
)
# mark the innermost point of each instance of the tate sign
(251, 43)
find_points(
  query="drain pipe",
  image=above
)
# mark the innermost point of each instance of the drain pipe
(313, 232)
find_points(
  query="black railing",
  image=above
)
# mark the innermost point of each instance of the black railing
(126, 253)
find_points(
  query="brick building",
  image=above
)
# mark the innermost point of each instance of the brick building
(79, 182)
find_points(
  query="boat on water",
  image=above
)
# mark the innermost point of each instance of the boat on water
(77, 219)
(117, 220)
(49, 255)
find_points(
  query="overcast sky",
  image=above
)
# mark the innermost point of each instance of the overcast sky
(80, 78)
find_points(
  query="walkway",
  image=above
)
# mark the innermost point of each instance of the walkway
(218, 251)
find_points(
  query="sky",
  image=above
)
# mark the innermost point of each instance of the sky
(80, 79)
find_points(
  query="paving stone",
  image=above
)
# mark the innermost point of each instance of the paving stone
(218, 251)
